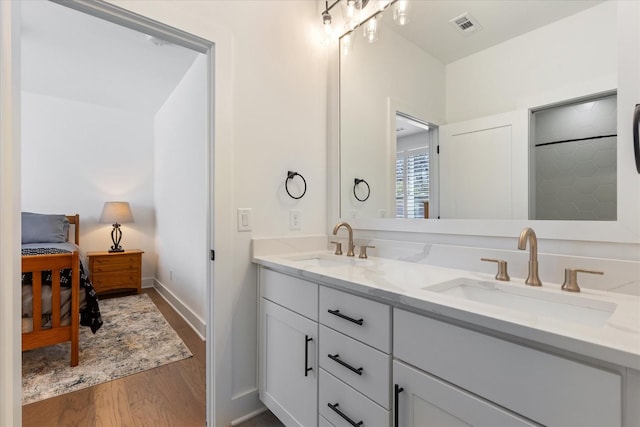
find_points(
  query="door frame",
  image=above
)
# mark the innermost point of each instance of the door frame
(10, 172)
(10, 296)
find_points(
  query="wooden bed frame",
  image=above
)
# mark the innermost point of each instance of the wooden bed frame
(35, 264)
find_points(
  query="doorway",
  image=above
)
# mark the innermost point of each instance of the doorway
(414, 179)
(161, 34)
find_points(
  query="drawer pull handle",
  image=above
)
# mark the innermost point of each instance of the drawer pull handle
(396, 399)
(336, 358)
(345, 317)
(306, 355)
(343, 415)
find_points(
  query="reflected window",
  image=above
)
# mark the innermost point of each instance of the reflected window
(413, 140)
(412, 183)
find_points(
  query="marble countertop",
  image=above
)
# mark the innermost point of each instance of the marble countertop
(402, 284)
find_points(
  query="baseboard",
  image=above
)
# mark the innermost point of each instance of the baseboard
(248, 416)
(197, 324)
(148, 282)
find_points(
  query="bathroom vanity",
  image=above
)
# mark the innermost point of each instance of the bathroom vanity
(380, 342)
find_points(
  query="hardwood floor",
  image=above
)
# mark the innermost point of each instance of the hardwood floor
(170, 395)
(266, 419)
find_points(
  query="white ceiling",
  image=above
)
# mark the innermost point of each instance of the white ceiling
(72, 55)
(501, 20)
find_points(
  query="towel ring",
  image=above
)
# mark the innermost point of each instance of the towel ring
(291, 175)
(358, 181)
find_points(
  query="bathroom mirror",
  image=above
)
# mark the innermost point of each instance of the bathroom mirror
(469, 75)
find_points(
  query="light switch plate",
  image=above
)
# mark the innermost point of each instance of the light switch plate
(244, 219)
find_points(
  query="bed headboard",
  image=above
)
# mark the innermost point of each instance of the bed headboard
(75, 221)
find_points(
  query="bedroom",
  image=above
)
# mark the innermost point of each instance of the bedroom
(113, 130)
(129, 129)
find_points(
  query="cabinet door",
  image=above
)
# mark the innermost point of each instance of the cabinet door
(288, 365)
(422, 400)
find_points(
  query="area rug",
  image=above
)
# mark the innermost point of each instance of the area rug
(134, 337)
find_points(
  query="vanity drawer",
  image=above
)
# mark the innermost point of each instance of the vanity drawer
(373, 365)
(365, 320)
(296, 294)
(543, 387)
(322, 422)
(351, 403)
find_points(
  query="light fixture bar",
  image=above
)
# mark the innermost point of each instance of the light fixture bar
(328, 8)
(378, 12)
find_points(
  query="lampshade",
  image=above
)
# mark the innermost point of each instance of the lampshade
(116, 213)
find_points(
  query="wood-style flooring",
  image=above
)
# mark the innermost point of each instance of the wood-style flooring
(266, 419)
(172, 395)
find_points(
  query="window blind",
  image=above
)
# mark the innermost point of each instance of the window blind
(412, 183)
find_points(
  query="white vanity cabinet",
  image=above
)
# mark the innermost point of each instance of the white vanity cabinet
(288, 345)
(424, 400)
(539, 386)
(334, 358)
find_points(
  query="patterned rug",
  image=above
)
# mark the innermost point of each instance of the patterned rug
(135, 337)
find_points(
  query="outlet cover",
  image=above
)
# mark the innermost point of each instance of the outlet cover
(295, 219)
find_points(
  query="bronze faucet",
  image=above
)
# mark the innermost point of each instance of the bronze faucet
(350, 245)
(530, 235)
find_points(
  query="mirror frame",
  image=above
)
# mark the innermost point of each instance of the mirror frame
(626, 229)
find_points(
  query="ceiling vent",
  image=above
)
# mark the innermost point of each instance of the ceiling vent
(466, 24)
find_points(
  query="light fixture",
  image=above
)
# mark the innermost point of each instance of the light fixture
(371, 29)
(116, 213)
(346, 43)
(401, 12)
(350, 9)
(326, 18)
(354, 16)
(326, 24)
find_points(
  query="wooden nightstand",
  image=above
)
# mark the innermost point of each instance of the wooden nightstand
(115, 271)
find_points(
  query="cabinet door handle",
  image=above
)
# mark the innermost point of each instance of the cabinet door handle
(306, 355)
(636, 136)
(336, 358)
(396, 400)
(343, 415)
(345, 317)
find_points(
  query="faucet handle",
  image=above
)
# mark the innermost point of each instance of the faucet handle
(338, 248)
(502, 268)
(363, 251)
(571, 278)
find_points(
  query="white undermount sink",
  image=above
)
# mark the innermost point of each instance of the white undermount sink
(328, 261)
(563, 307)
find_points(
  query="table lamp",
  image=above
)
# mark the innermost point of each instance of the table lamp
(116, 213)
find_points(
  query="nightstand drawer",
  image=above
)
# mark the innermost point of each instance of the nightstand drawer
(115, 271)
(116, 280)
(128, 262)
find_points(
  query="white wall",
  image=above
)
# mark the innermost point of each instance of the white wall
(76, 156)
(569, 58)
(180, 178)
(270, 117)
(372, 86)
